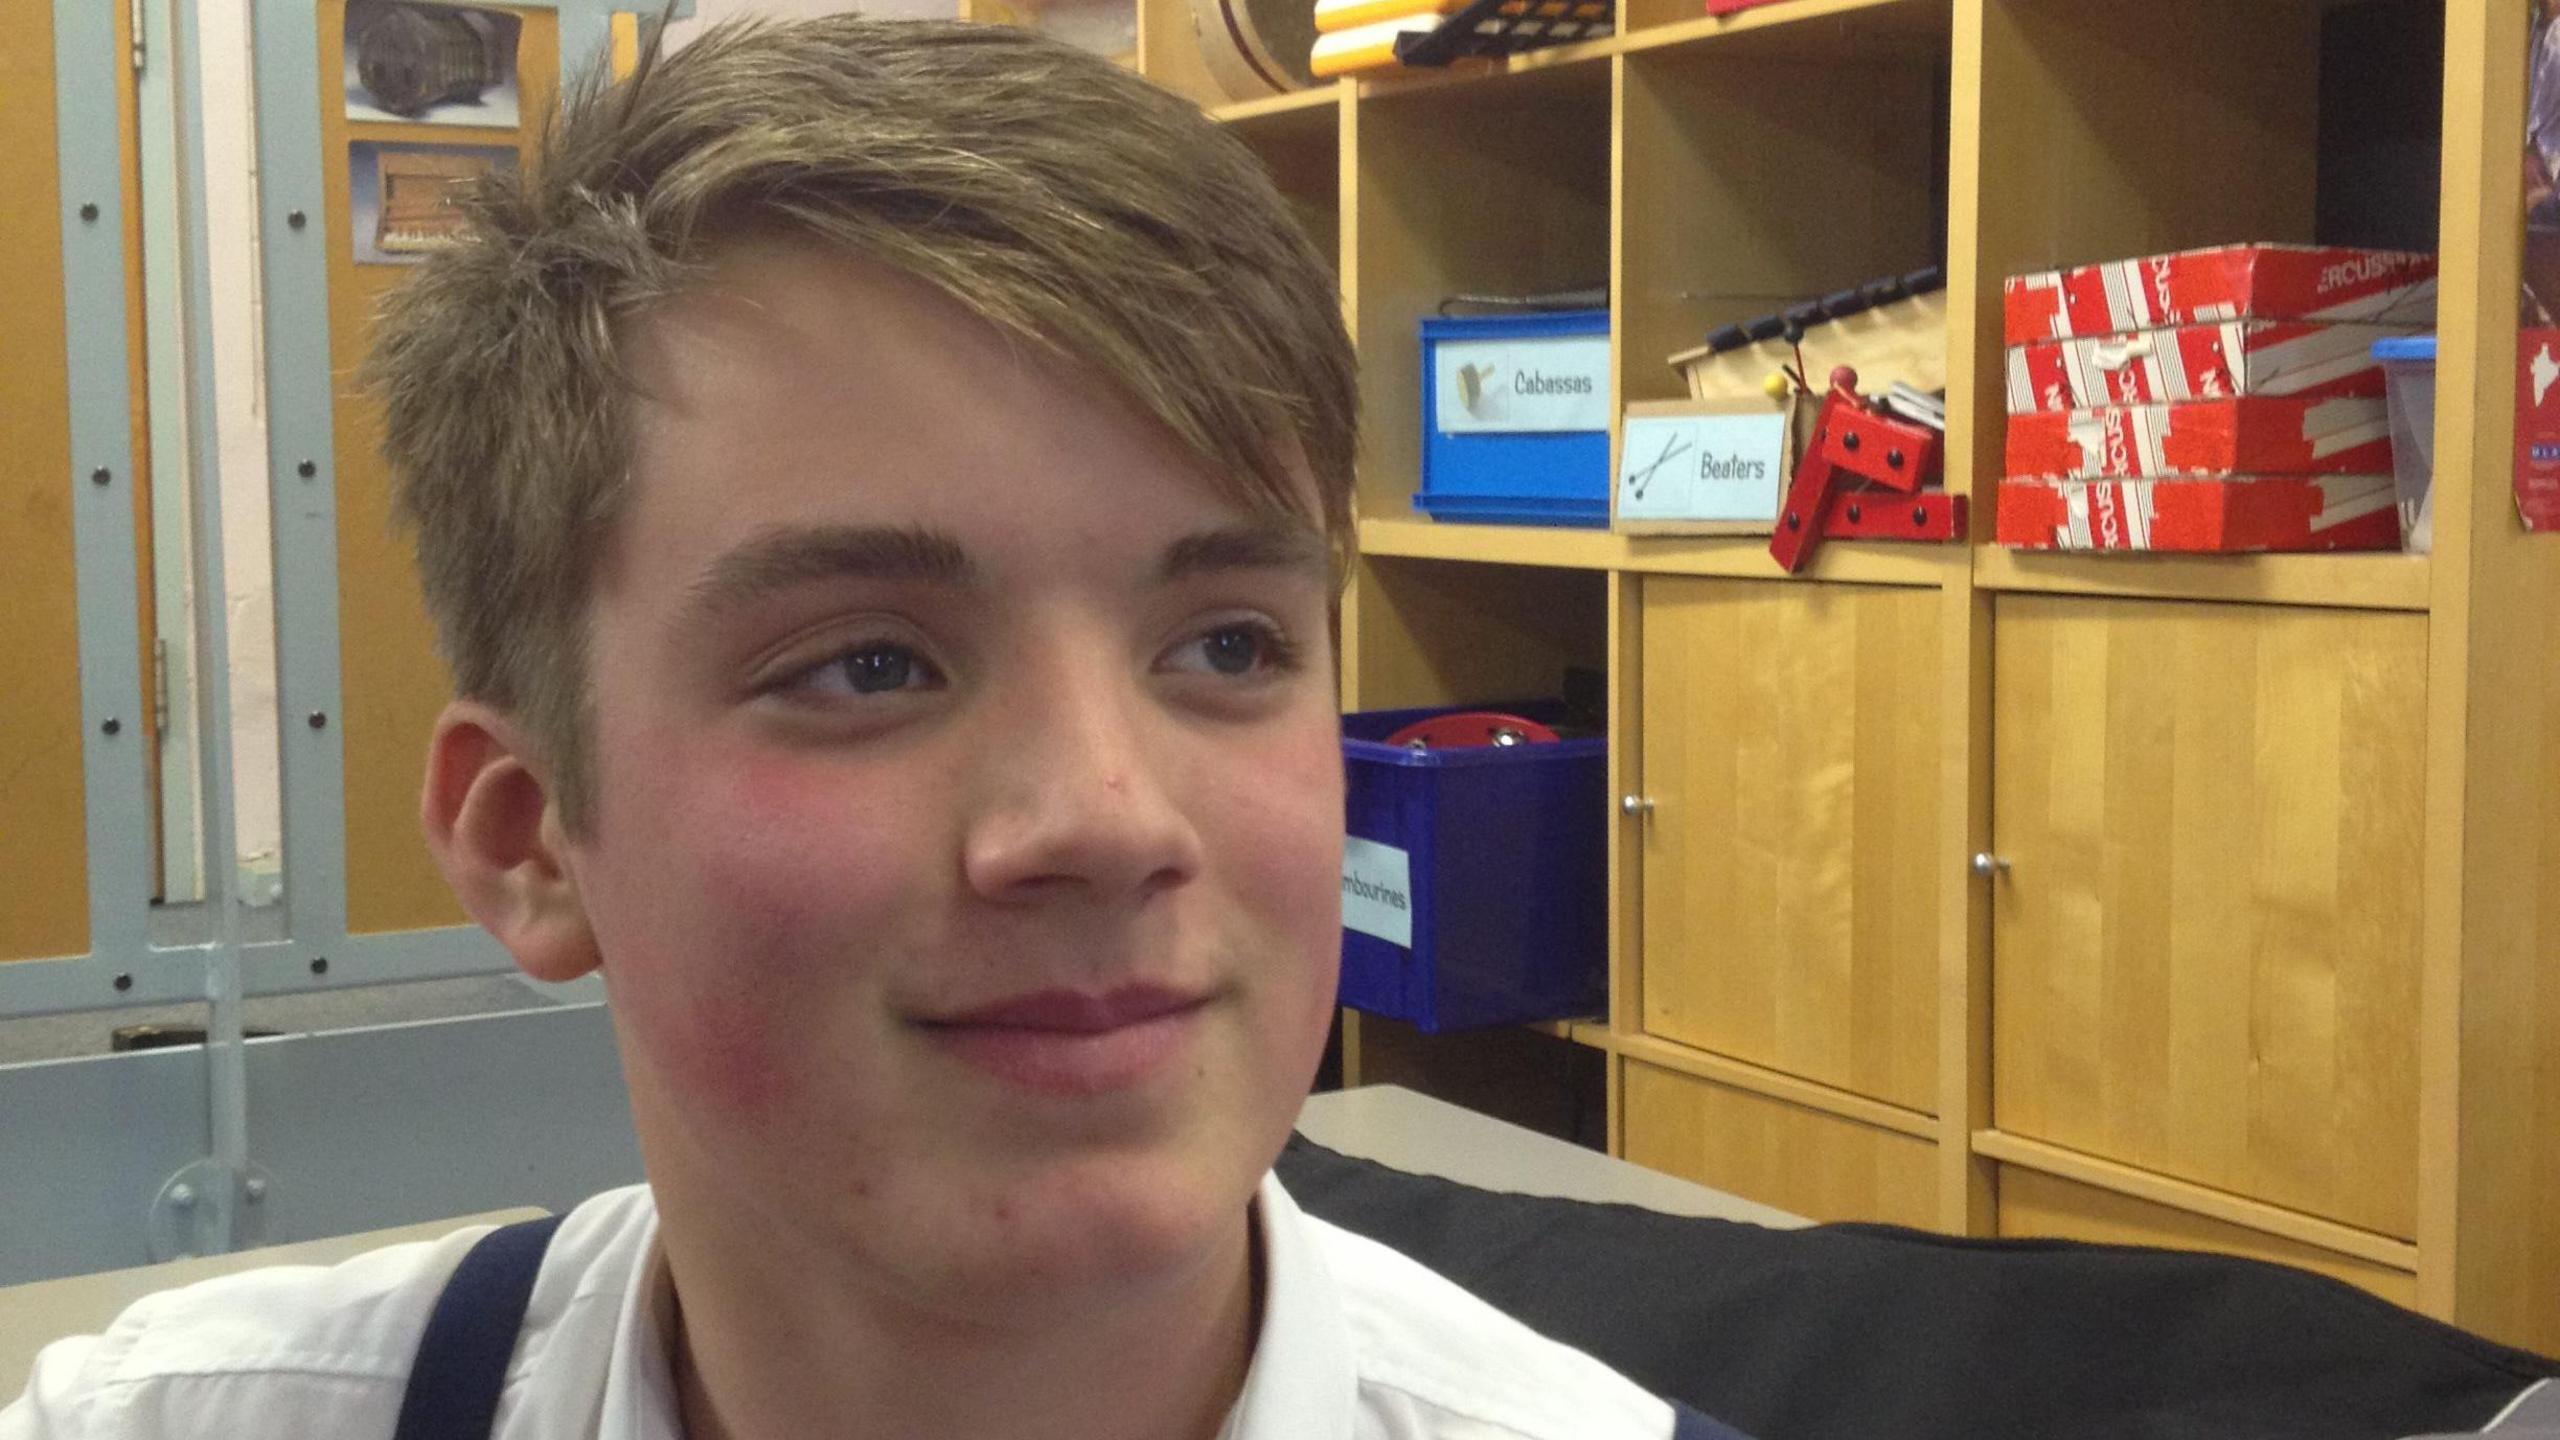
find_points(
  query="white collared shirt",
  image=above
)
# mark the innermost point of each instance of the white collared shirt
(1357, 1343)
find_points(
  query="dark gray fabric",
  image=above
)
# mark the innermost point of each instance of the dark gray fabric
(1853, 1332)
(2534, 1416)
(1688, 1424)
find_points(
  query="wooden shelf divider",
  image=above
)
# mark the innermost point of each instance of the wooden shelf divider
(1316, 98)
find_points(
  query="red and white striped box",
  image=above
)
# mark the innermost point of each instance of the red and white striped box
(2228, 282)
(2197, 362)
(2230, 516)
(2203, 439)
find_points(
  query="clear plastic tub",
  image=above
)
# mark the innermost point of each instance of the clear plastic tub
(2409, 367)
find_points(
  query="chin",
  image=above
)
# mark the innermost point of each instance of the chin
(1104, 1221)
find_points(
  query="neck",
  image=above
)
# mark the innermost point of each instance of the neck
(765, 1356)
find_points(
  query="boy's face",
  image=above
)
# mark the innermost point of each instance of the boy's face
(965, 873)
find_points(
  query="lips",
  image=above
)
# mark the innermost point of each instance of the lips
(1076, 1012)
(1071, 1042)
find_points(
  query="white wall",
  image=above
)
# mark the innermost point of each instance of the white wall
(706, 12)
(238, 452)
(1108, 27)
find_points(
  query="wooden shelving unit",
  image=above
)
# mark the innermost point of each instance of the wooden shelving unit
(1860, 563)
(2267, 969)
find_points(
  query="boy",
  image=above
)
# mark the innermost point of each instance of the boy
(882, 490)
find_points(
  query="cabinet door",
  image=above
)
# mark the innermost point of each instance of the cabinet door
(1791, 751)
(1822, 1167)
(2206, 946)
(2037, 1206)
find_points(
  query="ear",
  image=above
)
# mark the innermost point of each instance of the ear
(496, 834)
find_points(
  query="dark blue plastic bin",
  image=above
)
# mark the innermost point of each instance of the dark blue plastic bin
(1511, 479)
(1506, 852)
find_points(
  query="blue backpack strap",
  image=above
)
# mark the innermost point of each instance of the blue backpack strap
(462, 1358)
(1688, 1424)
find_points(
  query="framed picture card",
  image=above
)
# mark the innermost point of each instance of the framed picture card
(1702, 467)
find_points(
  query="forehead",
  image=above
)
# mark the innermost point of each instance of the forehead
(810, 349)
(795, 383)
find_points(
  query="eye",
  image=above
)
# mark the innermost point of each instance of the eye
(1239, 649)
(872, 669)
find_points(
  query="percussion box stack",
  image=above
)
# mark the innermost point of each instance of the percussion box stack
(1359, 36)
(2211, 401)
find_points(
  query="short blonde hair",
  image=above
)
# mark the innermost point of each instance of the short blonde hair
(1049, 191)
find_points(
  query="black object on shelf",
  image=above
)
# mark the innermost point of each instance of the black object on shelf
(1589, 297)
(1793, 323)
(1841, 304)
(1727, 337)
(1507, 27)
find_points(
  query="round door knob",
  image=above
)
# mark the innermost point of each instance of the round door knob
(1987, 864)
(1636, 805)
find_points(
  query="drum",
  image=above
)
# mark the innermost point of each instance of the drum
(411, 57)
(1256, 48)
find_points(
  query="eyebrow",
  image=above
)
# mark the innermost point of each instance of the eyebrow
(785, 557)
(1269, 546)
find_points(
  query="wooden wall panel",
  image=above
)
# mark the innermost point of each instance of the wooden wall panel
(2206, 951)
(43, 828)
(2037, 1205)
(1790, 894)
(1802, 1161)
(137, 379)
(393, 683)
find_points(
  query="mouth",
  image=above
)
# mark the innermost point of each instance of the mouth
(1071, 1042)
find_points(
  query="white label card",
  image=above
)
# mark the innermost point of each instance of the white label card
(1543, 386)
(1377, 891)
(1703, 467)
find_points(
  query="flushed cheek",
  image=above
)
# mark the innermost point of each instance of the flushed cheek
(1280, 837)
(755, 938)
(728, 1054)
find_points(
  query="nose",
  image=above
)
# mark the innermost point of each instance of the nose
(1077, 793)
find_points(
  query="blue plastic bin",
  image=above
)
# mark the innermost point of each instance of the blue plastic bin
(1505, 850)
(1512, 478)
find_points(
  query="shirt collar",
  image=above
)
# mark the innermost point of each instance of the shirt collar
(640, 1388)
(1299, 1385)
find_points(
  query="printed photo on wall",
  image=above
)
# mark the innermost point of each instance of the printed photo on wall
(401, 196)
(2537, 458)
(424, 63)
